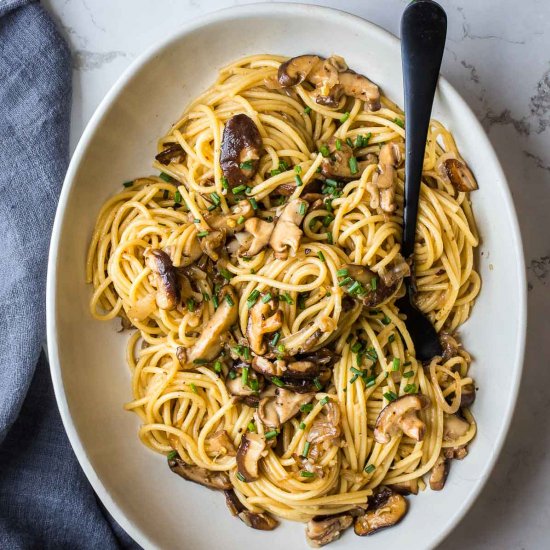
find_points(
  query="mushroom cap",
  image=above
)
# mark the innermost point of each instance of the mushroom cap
(166, 278)
(264, 318)
(439, 473)
(401, 415)
(295, 70)
(262, 521)
(375, 293)
(322, 530)
(388, 508)
(172, 152)
(249, 454)
(456, 171)
(211, 479)
(287, 233)
(241, 143)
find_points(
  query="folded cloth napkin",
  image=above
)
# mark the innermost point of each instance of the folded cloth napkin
(45, 499)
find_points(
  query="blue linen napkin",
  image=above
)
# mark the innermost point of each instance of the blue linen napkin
(45, 499)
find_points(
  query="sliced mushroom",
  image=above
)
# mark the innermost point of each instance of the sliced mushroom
(439, 473)
(394, 272)
(249, 454)
(468, 395)
(241, 148)
(401, 415)
(406, 487)
(209, 344)
(337, 164)
(287, 233)
(275, 410)
(327, 428)
(172, 152)
(382, 186)
(322, 530)
(388, 508)
(458, 453)
(261, 233)
(211, 479)
(331, 79)
(265, 318)
(236, 386)
(212, 243)
(449, 344)
(262, 521)
(220, 444)
(391, 153)
(454, 427)
(372, 290)
(268, 368)
(456, 171)
(166, 278)
(229, 223)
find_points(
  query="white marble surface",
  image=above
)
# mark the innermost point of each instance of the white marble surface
(498, 57)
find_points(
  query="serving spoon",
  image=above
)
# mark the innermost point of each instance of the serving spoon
(423, 32)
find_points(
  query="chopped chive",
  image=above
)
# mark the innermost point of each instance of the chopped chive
(238, 189)
(191, 305)
(215, 302)
(349, 142)
(164, 176)
(344, 117)
(331, 182)
(177, 197)
(386, 320)
(212, 207)
(317, 383)
(356, 371)
(217, 366)
(342, 272)
(374, 283)
(283, 165)
(200, 361)
(277, 381)
(324, 150)
(370, 381)
(128, 183)
(374, 311)
(193, 388)
(274, 172)
(171, 455)
(232, 374)
(355, 287)
(240, 476)
(308, 407)
(324, 401)
(399, 122)
(330, 240)
(369, 468)
(339, 144)
(281, 348)
(395, 363)
(215, 198)
(240, 220)
(298, 169)
(304, 473)
(302, 208)
(225, 273)
(372, 355)
(225, 183)
(247, 165)
(266, 298)
(359, 141)
(244, 376)
(287, 298)
(275, 339)
(254, 384)
(302, 426)
(356, 347)
(345, 281)
(305, 452)
(251, 427)
(327, 220)
(202, 234)
(321, 256)
(410, 388)
(353, 378)
(391, 339)
(390, 396)
(271, 434)
(298, 180)
(246, 353)
(252, 298)
(229, 300)
(253, 203)
(307, 110)
(366, 139)
(408, 374)
(196, 220)
(353, 166)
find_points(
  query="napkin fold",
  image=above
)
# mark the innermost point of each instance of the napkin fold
(45, 499)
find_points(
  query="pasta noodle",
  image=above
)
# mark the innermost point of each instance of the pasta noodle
(183, 405)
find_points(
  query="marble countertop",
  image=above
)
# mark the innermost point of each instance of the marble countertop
(498, 58)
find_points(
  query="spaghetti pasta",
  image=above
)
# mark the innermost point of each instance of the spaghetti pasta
(324, 459)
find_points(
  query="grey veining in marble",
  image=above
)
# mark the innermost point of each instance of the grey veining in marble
(498, 58)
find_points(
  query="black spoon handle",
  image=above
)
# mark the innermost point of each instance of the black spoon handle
(423, 32)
